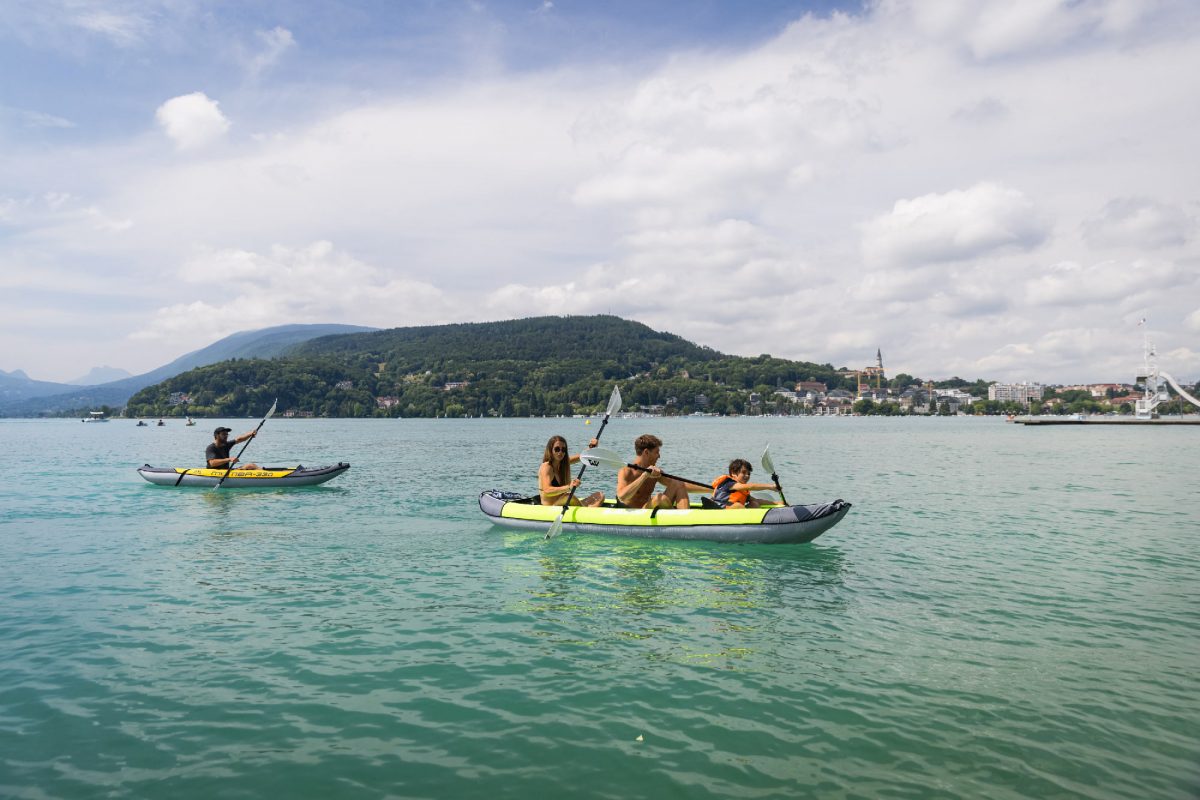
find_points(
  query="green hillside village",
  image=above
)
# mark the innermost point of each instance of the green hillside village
(566, 366)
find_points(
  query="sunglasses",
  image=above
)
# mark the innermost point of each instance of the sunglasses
(558, 449)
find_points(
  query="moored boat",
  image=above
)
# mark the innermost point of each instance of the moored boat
(764, 525)
(242, 478)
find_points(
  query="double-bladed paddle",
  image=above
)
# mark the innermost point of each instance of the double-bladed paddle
(238, 457)
(614, 405)
(599, 457)
(769, 466)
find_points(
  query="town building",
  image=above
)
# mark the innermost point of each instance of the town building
(873, 374)
(833, 406)
(1021, 393)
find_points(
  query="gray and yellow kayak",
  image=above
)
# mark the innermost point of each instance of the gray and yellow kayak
(242, 478)
(767, 525)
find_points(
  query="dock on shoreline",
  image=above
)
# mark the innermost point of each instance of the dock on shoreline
(1193, 419)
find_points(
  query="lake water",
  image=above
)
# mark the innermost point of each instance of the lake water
(1006, 612)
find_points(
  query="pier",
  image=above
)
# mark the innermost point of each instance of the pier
(1102, 420)
(1154, 383)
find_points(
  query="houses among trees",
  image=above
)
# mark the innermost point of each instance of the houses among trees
(549, 366)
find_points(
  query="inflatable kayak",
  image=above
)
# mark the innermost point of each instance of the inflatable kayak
(242, 478)
(767, 525)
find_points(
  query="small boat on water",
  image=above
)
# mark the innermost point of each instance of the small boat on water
(96, 416)
(763, 525)
(267, 477)
(141, 424)
(190, 422)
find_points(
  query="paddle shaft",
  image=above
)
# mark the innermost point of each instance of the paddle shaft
(769, 465)
(672, 477)
(778, 488)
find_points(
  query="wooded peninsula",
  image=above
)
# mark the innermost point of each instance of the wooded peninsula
(515, 368)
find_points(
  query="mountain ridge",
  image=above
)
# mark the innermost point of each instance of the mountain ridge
(97, 376)
(33, 398)
(525, 367)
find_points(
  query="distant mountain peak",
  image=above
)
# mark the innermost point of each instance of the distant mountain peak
(19, 395)
(98, 375)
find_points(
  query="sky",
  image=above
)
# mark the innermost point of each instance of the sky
(1000, 190)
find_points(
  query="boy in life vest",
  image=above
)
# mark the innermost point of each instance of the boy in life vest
(733, 490)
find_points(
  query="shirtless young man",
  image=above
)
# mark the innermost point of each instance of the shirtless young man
(635, 488)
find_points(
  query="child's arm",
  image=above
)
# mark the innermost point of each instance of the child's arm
(753, 487)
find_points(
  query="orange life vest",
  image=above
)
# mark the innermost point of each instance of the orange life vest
(723, 494)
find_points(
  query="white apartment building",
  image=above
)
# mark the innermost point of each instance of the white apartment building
(1018, 392)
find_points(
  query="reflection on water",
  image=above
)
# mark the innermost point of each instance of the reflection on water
(678, 601)
(643, 579)
(219, 504)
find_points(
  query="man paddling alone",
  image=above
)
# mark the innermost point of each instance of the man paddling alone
(217, 454)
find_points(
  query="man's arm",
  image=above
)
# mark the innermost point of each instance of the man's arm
(628, 486)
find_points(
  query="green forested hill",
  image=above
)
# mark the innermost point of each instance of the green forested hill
(529, 367)
(535, 339)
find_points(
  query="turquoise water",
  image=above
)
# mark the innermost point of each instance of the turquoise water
(1006, 612)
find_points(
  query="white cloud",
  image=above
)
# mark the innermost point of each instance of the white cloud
(1069, 283)
(1022, 27)
(124, 29)
(27, 118)
(74, 24)
(58, 209)
(275, 43)
(953, 226)
(245, 290)
(1139, 223)
(654, 175)
(192, 121)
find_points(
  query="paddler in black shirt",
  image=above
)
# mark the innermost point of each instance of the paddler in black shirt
(217, 453)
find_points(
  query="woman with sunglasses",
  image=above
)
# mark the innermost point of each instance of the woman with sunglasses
(554, 477)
